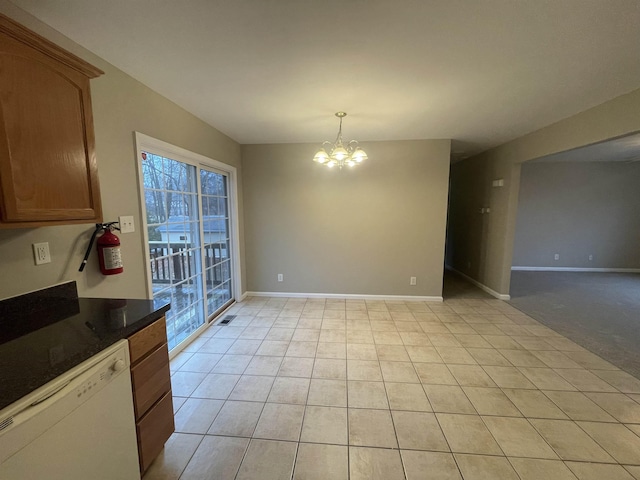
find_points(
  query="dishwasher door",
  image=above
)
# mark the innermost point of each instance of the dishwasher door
(80, 426)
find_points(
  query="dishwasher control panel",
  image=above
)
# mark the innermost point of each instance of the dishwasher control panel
(111, 368)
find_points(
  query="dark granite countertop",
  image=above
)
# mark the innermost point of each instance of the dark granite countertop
(43, 334)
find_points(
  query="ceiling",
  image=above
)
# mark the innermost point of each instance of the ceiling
(623, 149)
(480, 72)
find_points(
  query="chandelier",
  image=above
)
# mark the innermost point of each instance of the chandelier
(332, 154)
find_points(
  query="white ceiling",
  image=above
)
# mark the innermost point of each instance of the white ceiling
(480, 72)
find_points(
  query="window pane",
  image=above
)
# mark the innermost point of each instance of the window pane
(206, 182)
(222, 206)
(176, 175)
(156, 206)
(152, 171)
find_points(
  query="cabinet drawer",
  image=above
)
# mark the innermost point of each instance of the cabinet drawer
(154, 430)
(150, 379)
(147, 340)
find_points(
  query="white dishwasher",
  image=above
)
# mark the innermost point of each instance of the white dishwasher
(79, 426)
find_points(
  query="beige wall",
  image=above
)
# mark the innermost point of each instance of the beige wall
(121, 105)
(361, 231)
(487, 245)
(577, 209)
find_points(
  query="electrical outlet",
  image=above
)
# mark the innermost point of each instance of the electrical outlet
(590, 257)
(41, 253)
(126, 224)
(280, 277)
(412, 280)
(556, 256)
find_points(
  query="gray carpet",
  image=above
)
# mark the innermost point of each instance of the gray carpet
(600, 311)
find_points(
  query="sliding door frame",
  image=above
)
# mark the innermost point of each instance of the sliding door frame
(145, 143)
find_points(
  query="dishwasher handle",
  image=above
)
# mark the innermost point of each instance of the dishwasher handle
(49, 394)
(12, 419)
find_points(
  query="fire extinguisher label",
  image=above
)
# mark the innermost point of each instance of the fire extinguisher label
(112, 258)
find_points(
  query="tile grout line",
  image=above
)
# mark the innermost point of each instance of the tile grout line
(190, 456)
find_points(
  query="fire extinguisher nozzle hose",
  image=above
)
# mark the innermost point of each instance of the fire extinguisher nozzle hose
(99, 226)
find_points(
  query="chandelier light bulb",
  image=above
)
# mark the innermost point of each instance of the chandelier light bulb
(359, 155)
(339, 153)
(321, 157)
(350, 155)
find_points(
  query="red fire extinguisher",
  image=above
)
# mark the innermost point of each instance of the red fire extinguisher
(109, 255)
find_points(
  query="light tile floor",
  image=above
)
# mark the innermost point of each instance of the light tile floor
(308, 389)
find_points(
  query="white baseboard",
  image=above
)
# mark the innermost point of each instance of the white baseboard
(481, 286)
(406, 298)
(574, 269)
(243, 296)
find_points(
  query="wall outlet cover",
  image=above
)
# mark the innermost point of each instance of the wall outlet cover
(41, 253)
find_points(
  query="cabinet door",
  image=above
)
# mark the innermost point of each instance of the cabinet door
(48, 169)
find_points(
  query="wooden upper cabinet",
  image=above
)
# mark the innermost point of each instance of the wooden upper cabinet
(48, 169)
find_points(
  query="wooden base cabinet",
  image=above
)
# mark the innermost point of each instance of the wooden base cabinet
(151, 381)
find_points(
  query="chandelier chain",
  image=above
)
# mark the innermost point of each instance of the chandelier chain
(339, 137)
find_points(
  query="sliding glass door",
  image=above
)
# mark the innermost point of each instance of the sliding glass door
(217, 239)
(189, 241)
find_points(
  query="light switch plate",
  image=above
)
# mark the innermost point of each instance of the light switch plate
(126, 224)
